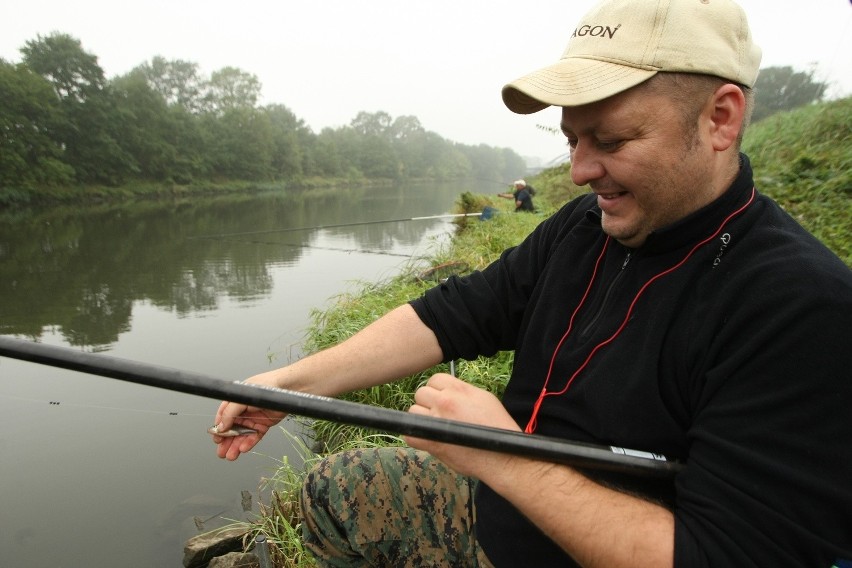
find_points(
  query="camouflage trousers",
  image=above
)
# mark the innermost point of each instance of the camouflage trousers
(389, 507)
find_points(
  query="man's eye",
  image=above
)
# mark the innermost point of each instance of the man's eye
(609, 145)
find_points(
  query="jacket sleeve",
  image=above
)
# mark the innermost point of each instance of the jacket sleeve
(481, 313)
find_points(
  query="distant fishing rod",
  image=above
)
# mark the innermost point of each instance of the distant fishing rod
(335, 249)
(555, 450)
(319, 227)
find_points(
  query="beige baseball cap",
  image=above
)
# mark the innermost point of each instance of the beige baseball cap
(621, 43)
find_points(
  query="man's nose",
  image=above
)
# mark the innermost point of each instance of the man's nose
(585, 165)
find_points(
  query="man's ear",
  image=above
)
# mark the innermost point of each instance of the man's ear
(726, 113)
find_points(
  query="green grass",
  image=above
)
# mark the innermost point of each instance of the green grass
(803, 159)
(278, 519)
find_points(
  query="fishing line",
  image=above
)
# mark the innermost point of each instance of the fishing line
(65, 404)
(335, 226)
(335, 249)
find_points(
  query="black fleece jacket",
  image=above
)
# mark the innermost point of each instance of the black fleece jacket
(735, 358)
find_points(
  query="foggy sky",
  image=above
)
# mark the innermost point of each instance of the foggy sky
(443, 61)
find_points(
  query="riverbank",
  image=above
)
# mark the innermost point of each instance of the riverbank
(95, 194)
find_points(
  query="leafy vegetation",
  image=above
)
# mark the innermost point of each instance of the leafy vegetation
(778, 89)
(68, 132)
(803, 159)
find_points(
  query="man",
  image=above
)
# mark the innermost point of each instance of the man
(522, 195)
(673, 310)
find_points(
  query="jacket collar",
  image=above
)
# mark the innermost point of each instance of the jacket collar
(701, 223)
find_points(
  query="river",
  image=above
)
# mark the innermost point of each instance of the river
(97, 472)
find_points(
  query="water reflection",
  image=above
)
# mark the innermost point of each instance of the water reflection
(79, 271)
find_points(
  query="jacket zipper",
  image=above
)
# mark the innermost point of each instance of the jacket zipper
(610, 288)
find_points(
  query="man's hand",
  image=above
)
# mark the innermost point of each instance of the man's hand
(230, 413)
(445, 396)
(596, 525)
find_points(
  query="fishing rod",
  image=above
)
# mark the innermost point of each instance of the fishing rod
(555, 450)
(319, 227)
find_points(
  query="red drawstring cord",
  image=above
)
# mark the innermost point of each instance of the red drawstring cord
(533, 422)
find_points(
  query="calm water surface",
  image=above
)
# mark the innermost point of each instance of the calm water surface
(97, 472)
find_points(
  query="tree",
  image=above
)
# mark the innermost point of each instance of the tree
(376, 158)
(93, 147)
(486, 163)
(30, 154)
(231, 88)
(61, 59)
(241, 145)
(177, 81)
(375, 154)
(287, 153)
(405, 127)
(328, 154)
(88, 133)
(782, 88)
(372, 124)
(409, 140)
(145, 127)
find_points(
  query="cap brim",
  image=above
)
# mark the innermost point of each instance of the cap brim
(572, 81)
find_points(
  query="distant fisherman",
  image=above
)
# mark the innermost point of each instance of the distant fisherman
(522, 195)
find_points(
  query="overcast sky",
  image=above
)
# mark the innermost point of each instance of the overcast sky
(443, 61)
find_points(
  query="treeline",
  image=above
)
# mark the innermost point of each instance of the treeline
(62, 122)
